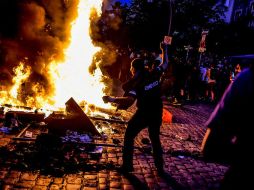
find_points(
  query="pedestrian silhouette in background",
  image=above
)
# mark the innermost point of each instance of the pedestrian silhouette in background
(229, 137)
(145, 88)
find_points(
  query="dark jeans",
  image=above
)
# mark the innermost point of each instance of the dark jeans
(139, 121)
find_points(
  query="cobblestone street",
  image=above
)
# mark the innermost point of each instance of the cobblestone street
(181, 142)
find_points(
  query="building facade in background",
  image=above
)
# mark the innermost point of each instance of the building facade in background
(228, 6)
(244, 9)
(236, 10)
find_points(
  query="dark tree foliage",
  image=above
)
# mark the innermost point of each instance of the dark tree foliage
(144, 23)
(148, 22)
(113, 25)
(191, 17)
(234, 38)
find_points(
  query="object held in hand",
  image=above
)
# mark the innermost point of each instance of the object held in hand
(107, 99)
(167, 40)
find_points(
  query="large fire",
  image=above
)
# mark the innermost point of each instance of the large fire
(71, 78)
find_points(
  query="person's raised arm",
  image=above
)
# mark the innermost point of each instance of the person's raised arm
(164, 49)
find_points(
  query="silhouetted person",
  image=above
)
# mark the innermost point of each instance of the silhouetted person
(230, 131)
(145, 88)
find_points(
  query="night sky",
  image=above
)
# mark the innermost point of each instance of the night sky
(125, 1)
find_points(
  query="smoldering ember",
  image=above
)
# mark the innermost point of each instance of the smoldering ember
(58, 59)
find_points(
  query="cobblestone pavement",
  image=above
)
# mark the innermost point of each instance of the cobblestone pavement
(181, 143)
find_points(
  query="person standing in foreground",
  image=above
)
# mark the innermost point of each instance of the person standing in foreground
(145, 88)
(231, 124)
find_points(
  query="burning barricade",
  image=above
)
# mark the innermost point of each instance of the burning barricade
(61, 142)
(75, 120)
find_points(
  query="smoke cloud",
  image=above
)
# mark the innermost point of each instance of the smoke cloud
(35, 33)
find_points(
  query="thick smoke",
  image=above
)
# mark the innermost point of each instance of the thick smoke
(35, 34)
(107, 57)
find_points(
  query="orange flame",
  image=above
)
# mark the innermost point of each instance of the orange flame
(21, 74)
(71, 78)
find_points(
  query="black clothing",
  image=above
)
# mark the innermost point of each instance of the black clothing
(146, 89)
(233, 119)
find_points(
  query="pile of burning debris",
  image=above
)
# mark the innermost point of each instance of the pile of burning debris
(60, 142)
(58, 122)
